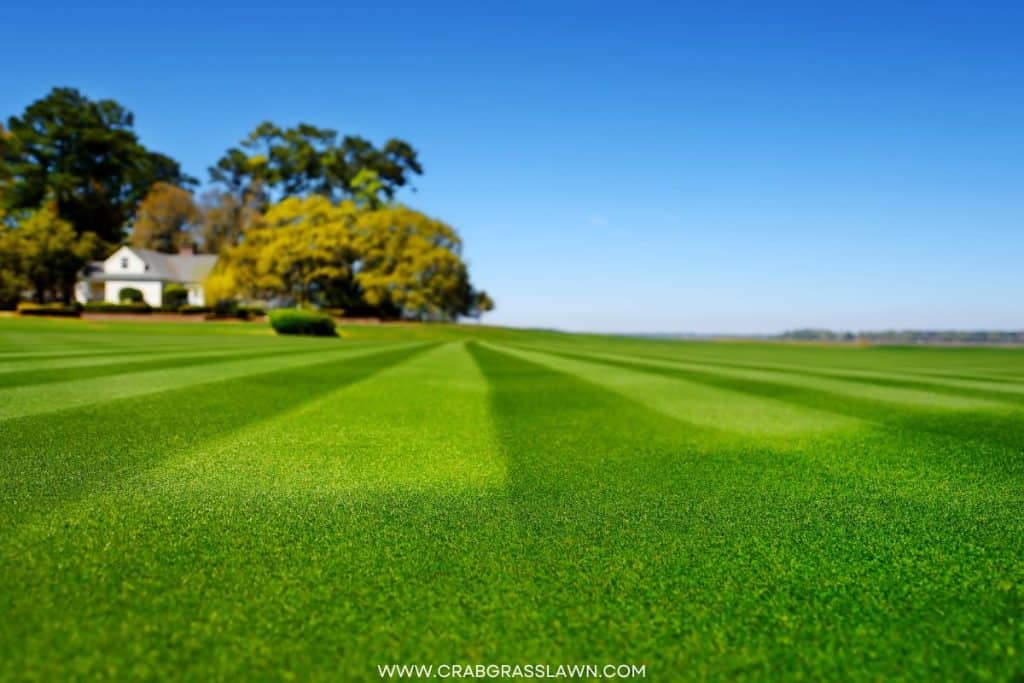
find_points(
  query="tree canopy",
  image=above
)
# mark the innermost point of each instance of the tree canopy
(165, 219)
(84, 156)
(288, 162)
(391, 261)
(300, 213)
(44, 254)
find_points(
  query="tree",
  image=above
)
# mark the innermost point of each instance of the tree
(165, 219)
(290, 162)
(85, 156)
(480, 303)
(391, 262)
(302, 249)
(225, 218)
(367, 189)
(411, 264)
(12, 277)
(47, 253)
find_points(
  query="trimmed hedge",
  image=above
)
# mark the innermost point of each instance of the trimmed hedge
(246, 312)
(229, 308)
(106, 307)
(299, 321)
(193, 310)
(50, 310)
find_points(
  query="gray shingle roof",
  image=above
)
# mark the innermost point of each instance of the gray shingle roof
(167, 267)
(178, 267)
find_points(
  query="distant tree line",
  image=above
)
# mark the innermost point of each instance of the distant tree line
(908, 336)
(299, 213)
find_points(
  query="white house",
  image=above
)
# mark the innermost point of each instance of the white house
(147, 271)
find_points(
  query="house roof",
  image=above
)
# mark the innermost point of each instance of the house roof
(163, 267)
(178, 267)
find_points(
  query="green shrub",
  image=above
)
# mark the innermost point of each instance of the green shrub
(53, 310)
(251, 312)
(175, 296)
(298, 321)
(130, 295)
(188, 309)
(225, 308)
(105, 307)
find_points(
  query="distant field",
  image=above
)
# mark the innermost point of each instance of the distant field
(213, 502)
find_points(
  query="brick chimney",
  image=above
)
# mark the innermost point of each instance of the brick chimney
(187, 249)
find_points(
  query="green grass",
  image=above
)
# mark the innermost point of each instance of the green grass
(212, 502)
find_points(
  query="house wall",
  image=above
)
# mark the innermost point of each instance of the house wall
(124, 262)
(88, 291)
(152, 292)
(196, 295)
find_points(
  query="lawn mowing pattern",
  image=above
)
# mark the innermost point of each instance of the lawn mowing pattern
(322, 506)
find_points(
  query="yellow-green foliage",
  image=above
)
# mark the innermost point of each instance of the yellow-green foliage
(393, 259)
(44, 253)
(410, 261)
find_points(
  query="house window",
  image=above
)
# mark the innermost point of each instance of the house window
(124, 263)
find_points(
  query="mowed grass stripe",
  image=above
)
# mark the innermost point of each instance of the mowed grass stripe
(77, 351)
(217, 581)
(50, 461)
(742, 561)
(699, 404)
(869, 392)
(31, 400)
(419, 425)
(999, 423)
(999, 389)
(149, 345)
(156, 346)
(612, 533)
(106, 367)
(919, 456)
(986, 387)
(349, 506)
(885, 362)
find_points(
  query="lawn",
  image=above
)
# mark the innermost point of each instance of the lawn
(213, 502)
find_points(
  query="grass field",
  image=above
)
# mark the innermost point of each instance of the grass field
(213, 502)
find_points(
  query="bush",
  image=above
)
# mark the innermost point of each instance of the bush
(298, 321)
(225, 308)
(104, 307)
(130, 295)
(53, 310)
(229, 308)
(175, 296)
(193, 310)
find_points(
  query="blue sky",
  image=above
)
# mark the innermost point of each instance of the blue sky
(714, 167)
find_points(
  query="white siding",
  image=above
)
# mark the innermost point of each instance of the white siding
(86, 291)
(152, 292)
(124, 261)
(196, 296)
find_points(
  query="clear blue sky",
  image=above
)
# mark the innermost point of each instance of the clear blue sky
(634, 166)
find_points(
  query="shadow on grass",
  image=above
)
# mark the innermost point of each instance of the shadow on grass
(623, 536)
(9, 380)
(1005, 430)
(54, 458)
